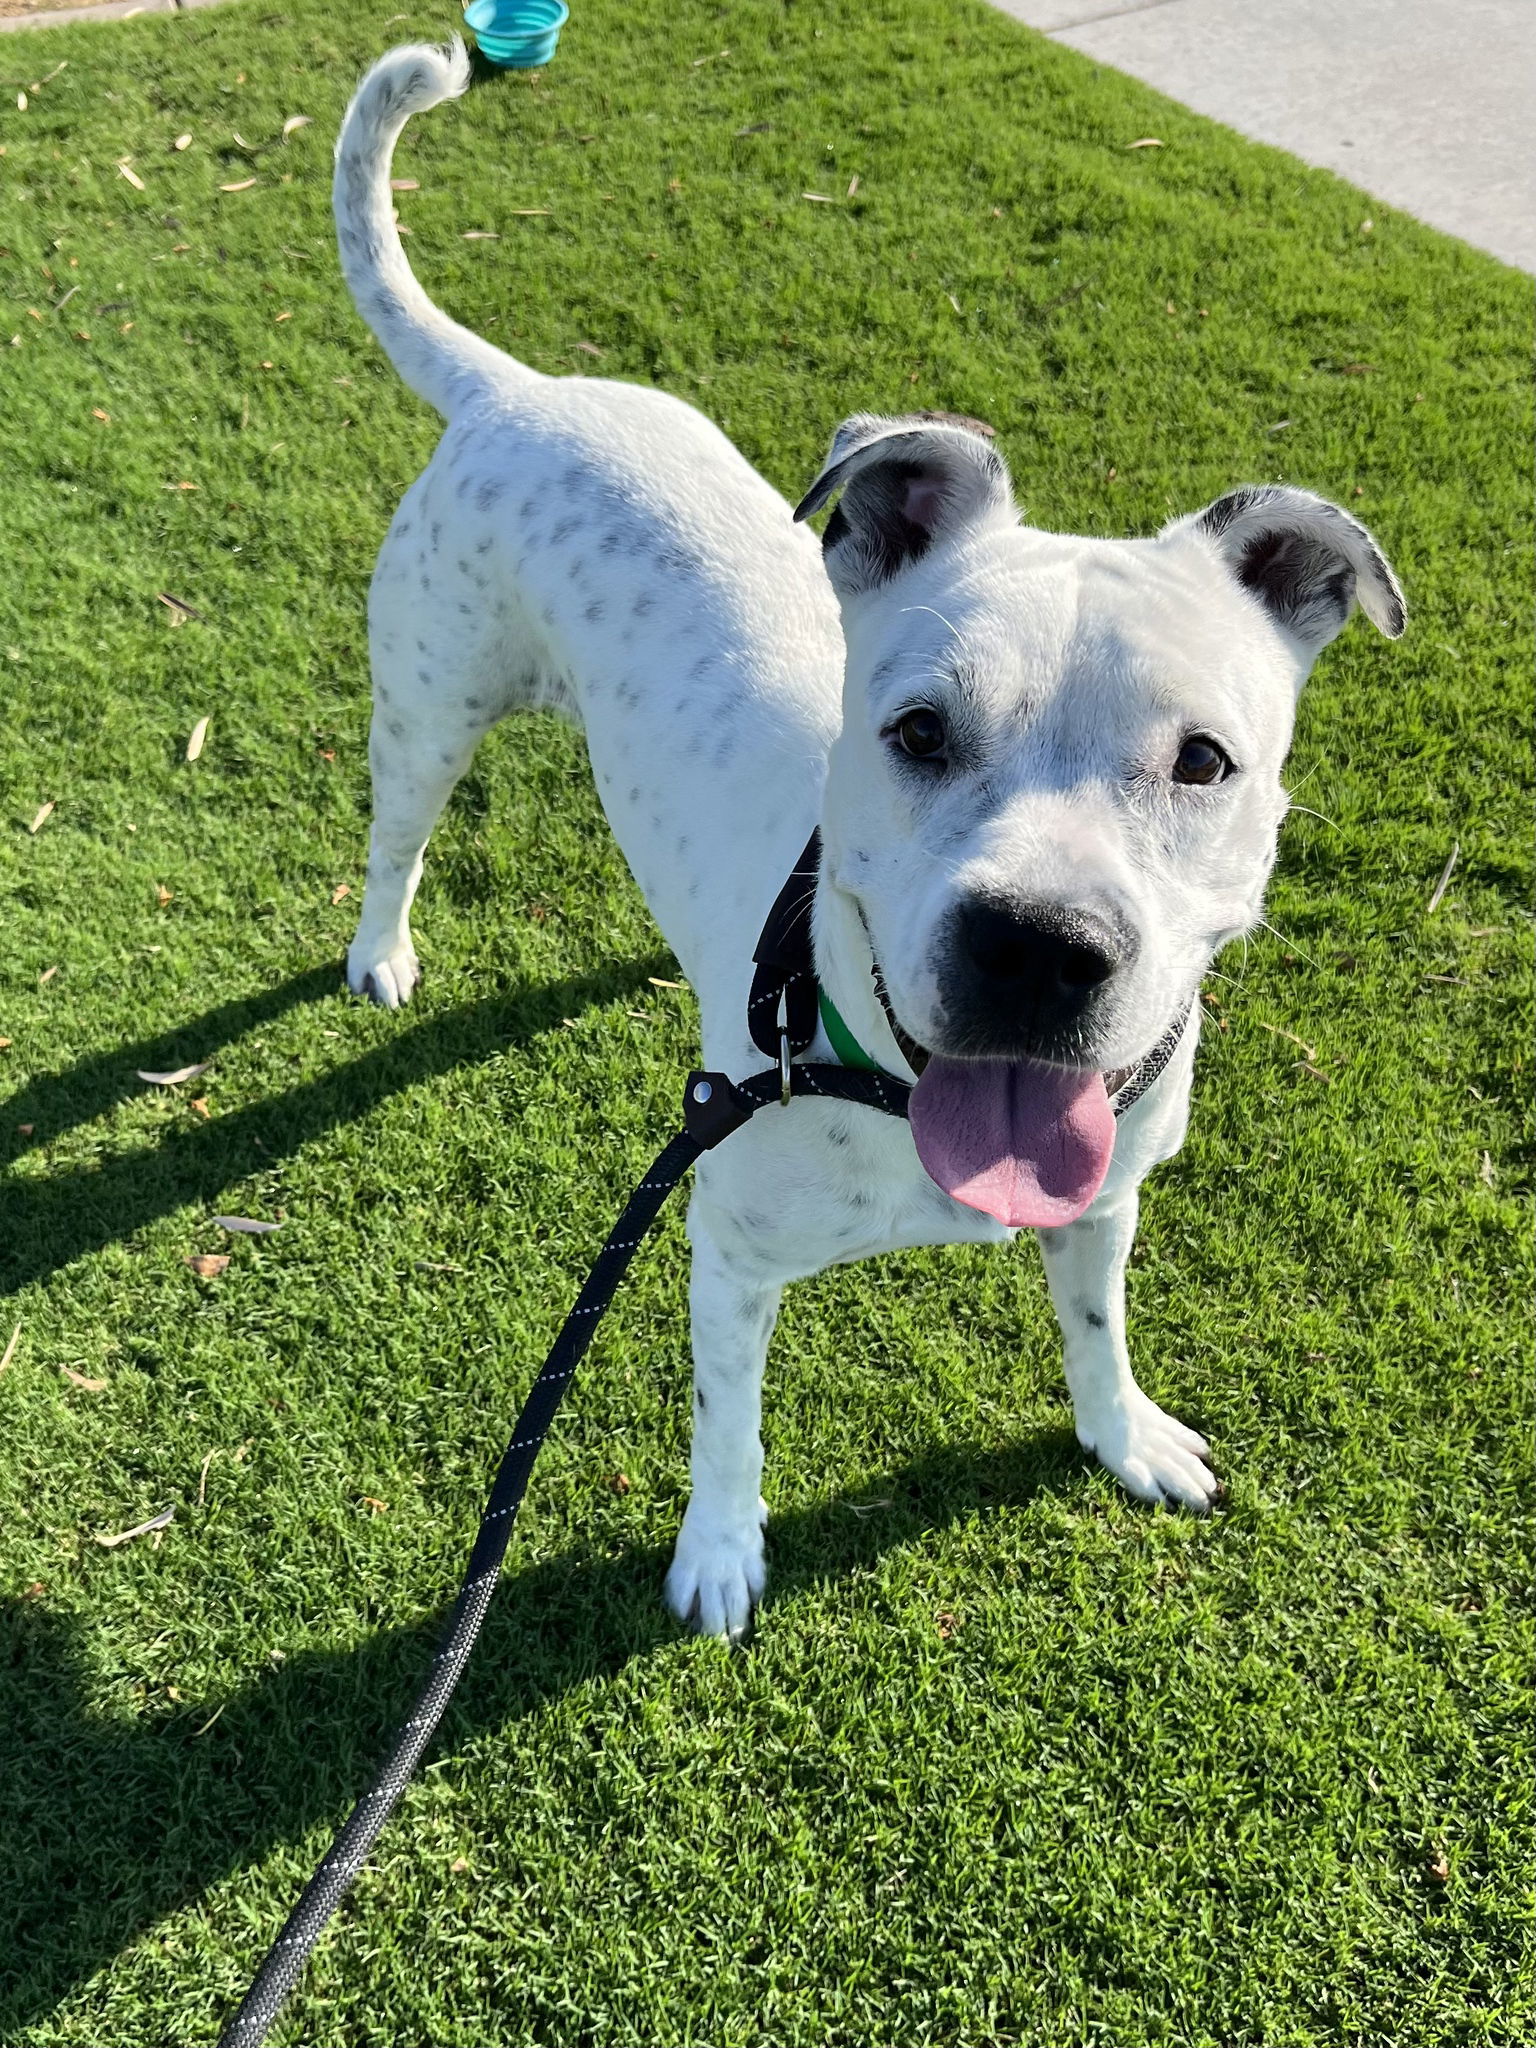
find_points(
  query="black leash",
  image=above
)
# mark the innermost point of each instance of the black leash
(782, 1017)
(713, 1108)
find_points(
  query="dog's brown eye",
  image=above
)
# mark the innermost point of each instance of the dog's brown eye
(1201, 760)
(920, 733)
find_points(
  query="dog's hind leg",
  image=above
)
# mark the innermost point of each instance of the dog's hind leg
(447, 664)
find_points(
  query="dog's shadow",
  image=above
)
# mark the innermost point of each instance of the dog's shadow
(112, 1824)
(53, 1219)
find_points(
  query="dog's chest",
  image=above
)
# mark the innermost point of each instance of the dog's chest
(822, 1184)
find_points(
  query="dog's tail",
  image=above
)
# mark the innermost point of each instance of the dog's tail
(442, 361)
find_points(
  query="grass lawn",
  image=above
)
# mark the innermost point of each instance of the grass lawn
(1012, 1759)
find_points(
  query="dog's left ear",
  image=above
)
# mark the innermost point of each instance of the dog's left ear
(1306, 561)
(905, 484)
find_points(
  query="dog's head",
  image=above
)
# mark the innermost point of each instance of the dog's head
(1057, 791)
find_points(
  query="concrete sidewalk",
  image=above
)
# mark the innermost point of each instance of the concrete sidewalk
(1427, 104)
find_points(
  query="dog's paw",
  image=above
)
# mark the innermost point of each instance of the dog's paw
(1151, 1454)
(718, 1575)
(385, 978)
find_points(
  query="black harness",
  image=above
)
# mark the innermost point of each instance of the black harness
(782, 1016)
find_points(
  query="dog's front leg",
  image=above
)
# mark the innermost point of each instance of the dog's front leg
(718, 1572)
(1151, 1454)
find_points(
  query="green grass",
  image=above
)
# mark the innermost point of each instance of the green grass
(1011, 1759)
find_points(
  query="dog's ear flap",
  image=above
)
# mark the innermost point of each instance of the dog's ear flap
(905, 483)
(1306, 561)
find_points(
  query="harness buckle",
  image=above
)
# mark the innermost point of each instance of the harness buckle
(713, 1107)
(783, 1067)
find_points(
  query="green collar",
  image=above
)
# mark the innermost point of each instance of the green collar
(844, 1044)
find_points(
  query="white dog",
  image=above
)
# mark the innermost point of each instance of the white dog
(1045, 771)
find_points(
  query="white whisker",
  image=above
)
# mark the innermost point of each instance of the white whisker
(938, 615)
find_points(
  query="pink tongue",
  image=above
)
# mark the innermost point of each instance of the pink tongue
(1024, 1142)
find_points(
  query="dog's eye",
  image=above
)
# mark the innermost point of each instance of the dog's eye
(1201, 760)
(920, 734)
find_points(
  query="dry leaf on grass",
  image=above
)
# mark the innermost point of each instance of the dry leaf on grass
(98, 414)
(656, 982)
(478, 235)
(79, 1379)
(248, 1224)
(294, 122)
(405, 184)
(200, 1104)
(240, 185)
(1441, 886)
(342, 889)
(126, 170)
(178, 607)
(195, 743)
(161, 1521)
(10, 1349)
(176, 1075)
(207, 1265)
(591, 348)
(1280, 1031)
(45, 812)
(528, 212)
(821, 198)
(43, 980)
(163, 895)
(1146, 142)
(182, 142)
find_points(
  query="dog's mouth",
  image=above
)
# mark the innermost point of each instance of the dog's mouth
(1024, 1141)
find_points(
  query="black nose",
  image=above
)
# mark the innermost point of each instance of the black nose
(1039, 950)
(1025, 978)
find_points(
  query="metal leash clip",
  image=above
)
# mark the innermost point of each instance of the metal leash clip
(783, 1067)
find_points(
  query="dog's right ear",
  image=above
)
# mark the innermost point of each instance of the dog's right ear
(905, 484)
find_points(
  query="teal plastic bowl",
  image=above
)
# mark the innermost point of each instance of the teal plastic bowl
(519, 35)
